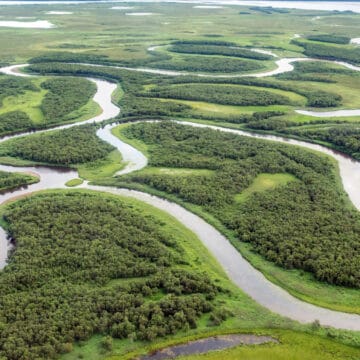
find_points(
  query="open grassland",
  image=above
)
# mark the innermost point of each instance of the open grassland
(178, 21)
(264, 182)
(74, 182)
(101, 168)
(28, 102)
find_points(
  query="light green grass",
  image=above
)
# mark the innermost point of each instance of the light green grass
(103, 168)
(29, 103)
(203, 108)
(86, 112)
(118, 132)
(292, 346)
(8, 160)
(117, 94)
(264, 182)
(74, 182)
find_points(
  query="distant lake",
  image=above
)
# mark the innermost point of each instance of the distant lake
(304, 5)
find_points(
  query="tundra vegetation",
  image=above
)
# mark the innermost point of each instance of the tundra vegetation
(94, 264)
(275, 203)
(30, 104)
(14, 180)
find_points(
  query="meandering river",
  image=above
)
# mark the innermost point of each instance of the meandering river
(241, 272)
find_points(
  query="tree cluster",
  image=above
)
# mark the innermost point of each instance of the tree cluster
(330, 38)
(330, 52)
(220, 94)
(64, 96)
(209, 49)
(211, 64)
(344, 137)
(62, 147)
(14, 180)
(306, 224)
(15, 121)
(68, 277)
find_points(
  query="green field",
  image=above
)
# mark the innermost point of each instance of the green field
(74, 182)
(264, 182)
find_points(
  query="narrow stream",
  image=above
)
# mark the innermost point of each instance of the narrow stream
(247, 278)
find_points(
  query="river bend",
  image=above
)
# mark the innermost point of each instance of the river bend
(240, 271)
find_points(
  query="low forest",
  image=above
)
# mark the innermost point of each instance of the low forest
(296, 225)
(66, 280)
(75, 145)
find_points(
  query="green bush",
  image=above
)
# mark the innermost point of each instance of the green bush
(64, 96)
(305, 224)
(87, 263)
(62, 147)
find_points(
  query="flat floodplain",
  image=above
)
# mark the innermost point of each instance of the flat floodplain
(120, 278)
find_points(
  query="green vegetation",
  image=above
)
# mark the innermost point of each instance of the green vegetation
(74, 182)
(264, 182)
(221, 94)
(108, 265)
(146, 107)
(336, 39)
(114, 38)
(15, 121)
(64, 96)
(12, 86)
(35, 104)
(331, 52)
(296, 225)
(211, 49)
(15, 180)
(76, 145)
(101, 168)
(211, 64)
(316, 97)
(343, 137)
(292, 346)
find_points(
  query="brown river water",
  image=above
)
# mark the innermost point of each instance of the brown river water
(247, 278)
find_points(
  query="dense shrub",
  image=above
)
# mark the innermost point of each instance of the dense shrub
(220, 94)
(331, 52)
(15, 180)
(210, 49)
(64, 96)
(306, 224)
(138, 106)
(67, 278)
(336, 39)
(208, 64)
(14, 121)
(62, 147)
(344, 137)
